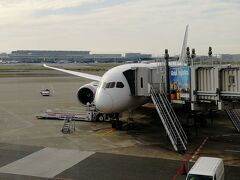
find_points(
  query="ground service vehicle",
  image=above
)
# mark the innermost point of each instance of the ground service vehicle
(207, 168)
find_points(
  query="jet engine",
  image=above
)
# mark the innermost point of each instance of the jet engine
(87, 93)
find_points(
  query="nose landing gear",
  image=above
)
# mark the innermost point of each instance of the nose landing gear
(116, 123)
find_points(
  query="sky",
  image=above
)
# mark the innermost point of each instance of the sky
(120, 26)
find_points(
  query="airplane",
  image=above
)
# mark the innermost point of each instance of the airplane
(111, 93)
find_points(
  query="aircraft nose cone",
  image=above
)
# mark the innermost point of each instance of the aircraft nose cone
(103, 102)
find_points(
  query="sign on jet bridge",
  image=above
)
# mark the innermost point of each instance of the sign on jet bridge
(179, 79)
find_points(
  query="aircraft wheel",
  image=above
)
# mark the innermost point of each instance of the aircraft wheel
(119, 125)
(100, 117)
(114, 124)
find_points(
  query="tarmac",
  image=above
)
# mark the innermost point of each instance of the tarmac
(37, 149)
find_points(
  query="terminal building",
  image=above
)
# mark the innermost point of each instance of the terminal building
(47, 56)
(138, 56)
(107, 57)
(37, 56)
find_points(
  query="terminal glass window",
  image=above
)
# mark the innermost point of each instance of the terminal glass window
(119, 85)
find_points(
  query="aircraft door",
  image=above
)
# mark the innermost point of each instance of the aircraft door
(141, 81)
(130, 76)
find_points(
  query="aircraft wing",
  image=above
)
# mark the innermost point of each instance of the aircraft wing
(84, 75)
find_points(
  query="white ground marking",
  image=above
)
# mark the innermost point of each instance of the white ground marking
(229, 150)
(47, 162)
(196, 153)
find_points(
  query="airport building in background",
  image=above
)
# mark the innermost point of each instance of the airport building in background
(62, 56)
(37, 56)
(47, 56)
(40, 56)
(137, 56)
(4, 56)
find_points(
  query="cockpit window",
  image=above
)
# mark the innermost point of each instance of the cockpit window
(107, 85)
(119, 85)
(110, 85)
(104, 85)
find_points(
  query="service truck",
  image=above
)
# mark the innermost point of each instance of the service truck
(207, 168)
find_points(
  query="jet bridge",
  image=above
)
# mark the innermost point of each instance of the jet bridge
(203, 87)
(152, 82)
(218, 86)
(140, 79)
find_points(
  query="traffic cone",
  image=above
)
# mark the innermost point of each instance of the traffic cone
(183, 169)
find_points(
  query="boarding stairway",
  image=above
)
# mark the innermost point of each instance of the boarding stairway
(234, 117)
(169, 119)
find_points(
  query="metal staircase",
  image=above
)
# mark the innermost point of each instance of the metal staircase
(68, 127)
(234, 117)
(169, 119)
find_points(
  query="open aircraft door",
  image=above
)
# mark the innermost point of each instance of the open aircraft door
(141, 81)
(138, 79)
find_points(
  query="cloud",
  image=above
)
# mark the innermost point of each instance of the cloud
(119, 25)
(22, 11)
(40, 4)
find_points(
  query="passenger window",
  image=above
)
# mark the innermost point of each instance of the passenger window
(119, 85)
(112, 84)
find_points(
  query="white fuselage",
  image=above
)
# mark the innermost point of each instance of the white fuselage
(116, 100)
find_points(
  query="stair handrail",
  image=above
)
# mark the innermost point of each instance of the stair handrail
(170, 119)
(161, 108)
(175, 117)
(168, 107)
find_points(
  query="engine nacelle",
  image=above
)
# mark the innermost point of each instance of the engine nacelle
(86, 93)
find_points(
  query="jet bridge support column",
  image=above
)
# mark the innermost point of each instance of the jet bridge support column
(166, 57)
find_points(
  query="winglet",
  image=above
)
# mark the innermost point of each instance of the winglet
(182, 58)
